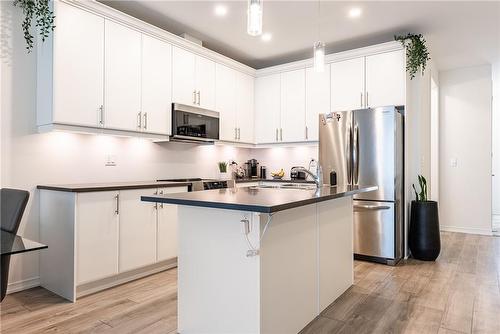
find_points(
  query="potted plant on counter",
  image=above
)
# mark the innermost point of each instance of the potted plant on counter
(223, 174)
(424, 239)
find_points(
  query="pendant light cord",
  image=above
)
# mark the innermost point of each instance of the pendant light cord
(319, 20)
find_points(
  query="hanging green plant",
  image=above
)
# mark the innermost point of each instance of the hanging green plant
(37, 13)
(417, 54)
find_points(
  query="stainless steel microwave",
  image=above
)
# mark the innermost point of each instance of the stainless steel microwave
(193, 124)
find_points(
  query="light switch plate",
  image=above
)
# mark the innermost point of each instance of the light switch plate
(453, 162)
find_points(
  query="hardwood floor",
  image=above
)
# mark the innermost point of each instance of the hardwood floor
(459, 293)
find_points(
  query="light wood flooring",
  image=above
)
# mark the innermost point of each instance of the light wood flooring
(459, 293)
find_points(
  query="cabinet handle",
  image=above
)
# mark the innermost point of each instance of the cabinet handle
(367, 105)
(307, 133)
(139, 119)
(117, 209)
(199, 97)
(145, 120)
(194, 96)
(161, 204)
(235, 133)
(239, 133)
(281, 134)
(101, 115)
(361, 99)
(276, 134)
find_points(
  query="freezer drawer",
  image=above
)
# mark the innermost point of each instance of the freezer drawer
(374, 229)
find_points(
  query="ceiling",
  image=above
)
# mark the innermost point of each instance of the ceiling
(459, 34)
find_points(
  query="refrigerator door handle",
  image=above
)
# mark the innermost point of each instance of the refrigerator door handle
(355, 156)
(349, 155)
(370, 207)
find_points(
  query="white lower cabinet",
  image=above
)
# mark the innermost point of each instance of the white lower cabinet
(167, 228)
(100, 239)
(137, 230)
(96, 235)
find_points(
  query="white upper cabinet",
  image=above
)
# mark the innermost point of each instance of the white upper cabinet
(122, 77)
(245, 107)
(293, 103)
(205, 82)
(348, 84)
(156, 86)
(385, 79)
(78, 70)
(137, 229)
(317, 99)
(226, 104)
(193, 79)
(267, 108)
(235, 101)
(183, 76)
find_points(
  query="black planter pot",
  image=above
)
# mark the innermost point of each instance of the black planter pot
(424, 239)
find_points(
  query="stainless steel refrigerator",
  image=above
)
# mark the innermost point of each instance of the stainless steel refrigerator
(365, 147)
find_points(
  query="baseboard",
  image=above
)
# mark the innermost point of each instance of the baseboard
(470, 230)
(109, 282)
(495, 222)
(23, 285)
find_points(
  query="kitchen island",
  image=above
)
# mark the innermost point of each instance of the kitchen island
(261, 260)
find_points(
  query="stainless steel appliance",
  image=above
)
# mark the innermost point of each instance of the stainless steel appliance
(192, 124)
(198, 184)
(252, 168)
(297, 174)
(365, 147)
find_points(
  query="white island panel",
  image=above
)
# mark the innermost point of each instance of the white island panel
(218, 285)
(289, 267)
(305, 262)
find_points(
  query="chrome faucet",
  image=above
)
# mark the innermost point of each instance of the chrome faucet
(318, 178)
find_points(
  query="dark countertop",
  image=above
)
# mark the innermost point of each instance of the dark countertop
(256, 199)
(89, 187)
(272, 180)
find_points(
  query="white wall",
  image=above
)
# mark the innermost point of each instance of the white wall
(465, 135)
(29, 159)
(496, 140)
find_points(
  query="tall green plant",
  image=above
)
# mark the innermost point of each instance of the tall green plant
(422, 195)
(417, 54)
(37, 13)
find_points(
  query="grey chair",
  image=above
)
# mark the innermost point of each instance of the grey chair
(12, 205)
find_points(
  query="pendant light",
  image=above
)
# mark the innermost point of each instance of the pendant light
(319, 47)
(254, 17)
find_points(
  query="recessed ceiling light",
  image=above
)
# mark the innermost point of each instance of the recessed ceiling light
(355, 12)
(266, 37)
(220, 10)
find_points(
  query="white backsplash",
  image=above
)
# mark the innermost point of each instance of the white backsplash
(283, 157)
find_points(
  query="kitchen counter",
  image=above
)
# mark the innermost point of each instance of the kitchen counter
(272, 180)
(255, 199)
(91, 187)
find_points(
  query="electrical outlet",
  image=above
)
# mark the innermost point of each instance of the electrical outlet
(110, 160)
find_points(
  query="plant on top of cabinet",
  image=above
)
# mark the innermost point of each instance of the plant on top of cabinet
(417, 53)
(39, 11)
